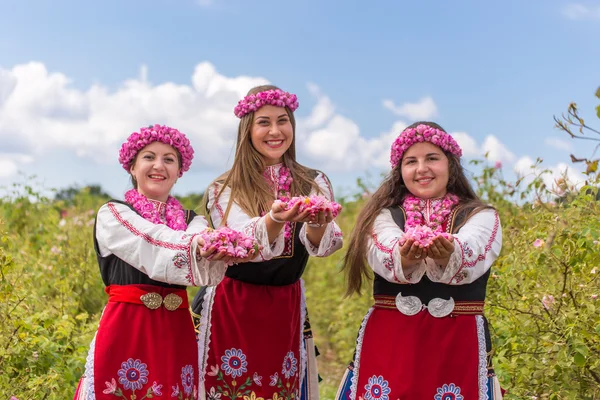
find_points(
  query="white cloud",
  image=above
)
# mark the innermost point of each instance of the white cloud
(467, 144)
(578, 11)
(333, 142)
(8, 168)
(526, 168)
(10, 163)
(422, 110)
(496, 150)
(573, 176)
(559, 144)
(523, 166)
(40, 112)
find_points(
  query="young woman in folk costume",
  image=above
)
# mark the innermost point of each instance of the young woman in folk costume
(255, 340)
(148, 251)
(430, 242)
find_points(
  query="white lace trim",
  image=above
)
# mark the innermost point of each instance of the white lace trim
(87, 386)
(303, 354)
(258, 229)
(359, 340)
(445, 275)
(330, 242)
(204, 334)
(483, 378)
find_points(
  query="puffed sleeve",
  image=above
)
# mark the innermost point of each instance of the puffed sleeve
(383, 252)
(238, 220)
(332, 239)
(211, 272)
(476, 246)
(164, 254)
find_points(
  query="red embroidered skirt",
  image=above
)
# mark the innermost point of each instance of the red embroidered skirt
(418, 357)
(143, 347)
(253, 346)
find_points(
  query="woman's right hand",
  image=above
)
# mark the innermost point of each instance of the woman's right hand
(410, 250)
(213, 255)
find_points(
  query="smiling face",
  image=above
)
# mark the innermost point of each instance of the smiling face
(425, 170)
(156, 168)
(271, 133)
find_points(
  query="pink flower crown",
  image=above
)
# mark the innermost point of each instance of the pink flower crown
(419, 134)
(161, 133)
(274, 97)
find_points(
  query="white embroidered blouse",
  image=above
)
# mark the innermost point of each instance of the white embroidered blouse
(476, 246)
(256, 227)
(158, 251)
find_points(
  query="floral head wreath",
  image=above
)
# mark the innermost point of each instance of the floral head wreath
(422, 133)
(274, 97)
(156, 133)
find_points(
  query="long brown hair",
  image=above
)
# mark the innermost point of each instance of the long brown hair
(391, 193)
(249, 188)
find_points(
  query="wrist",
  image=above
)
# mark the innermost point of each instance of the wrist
(276, 220)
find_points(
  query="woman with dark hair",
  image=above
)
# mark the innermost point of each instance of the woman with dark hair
(430, 243)
(149, 249)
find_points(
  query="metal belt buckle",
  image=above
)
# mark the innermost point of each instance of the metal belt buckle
(172, 301)
(152, 300)
(412, 305)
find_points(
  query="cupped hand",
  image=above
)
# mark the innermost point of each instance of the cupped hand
(441, 248)
(413, 251)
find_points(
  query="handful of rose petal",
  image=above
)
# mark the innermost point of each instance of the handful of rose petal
(422, 235)
(235, 243)
(314, 204)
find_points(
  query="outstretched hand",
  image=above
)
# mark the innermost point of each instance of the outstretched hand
(322, 218)
(291, 215)
(413, 251)
(213, 255)
(441, 248)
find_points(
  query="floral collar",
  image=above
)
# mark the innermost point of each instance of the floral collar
(430, 212)
(170, 213)
(280, 180)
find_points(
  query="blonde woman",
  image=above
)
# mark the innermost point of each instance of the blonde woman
(255, 339)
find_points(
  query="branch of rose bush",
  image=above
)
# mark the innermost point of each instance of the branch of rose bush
(593, 374)
(574, 119)
(9, 342)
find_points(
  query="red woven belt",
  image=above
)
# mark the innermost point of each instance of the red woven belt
(171, 299)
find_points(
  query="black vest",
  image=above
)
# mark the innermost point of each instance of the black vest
(425, 289)
(115, 271)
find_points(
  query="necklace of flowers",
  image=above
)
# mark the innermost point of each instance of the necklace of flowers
(282, 188)
(441, 209)
(174, 214)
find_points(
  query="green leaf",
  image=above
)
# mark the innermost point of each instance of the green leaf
(579, 359)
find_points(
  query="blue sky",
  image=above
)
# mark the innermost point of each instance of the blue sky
(77, 77)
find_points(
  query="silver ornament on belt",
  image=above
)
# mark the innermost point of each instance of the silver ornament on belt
(412, 305)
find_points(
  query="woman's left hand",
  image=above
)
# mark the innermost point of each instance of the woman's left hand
(322, 218)
(441, 248)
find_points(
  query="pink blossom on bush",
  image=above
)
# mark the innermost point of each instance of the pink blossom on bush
(538, 243)
(548, 301)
